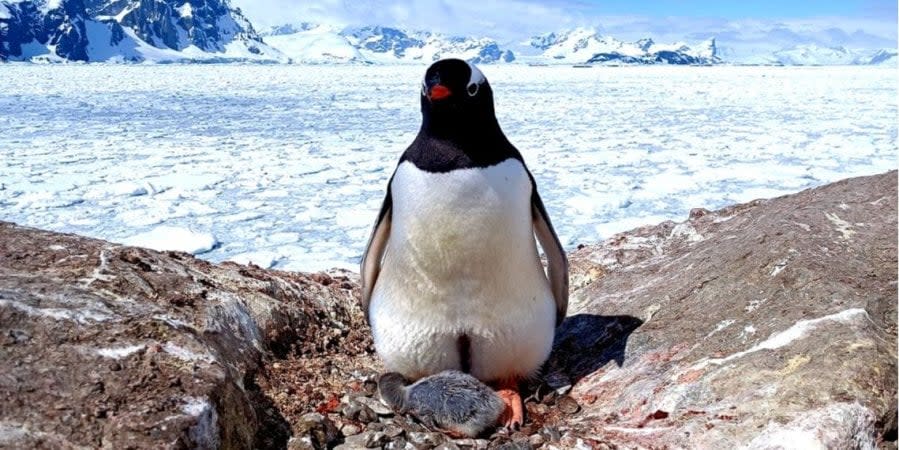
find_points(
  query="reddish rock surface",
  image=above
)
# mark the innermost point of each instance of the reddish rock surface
(765, 325)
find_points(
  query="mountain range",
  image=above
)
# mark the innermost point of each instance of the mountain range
(129, 31)
(164, 31)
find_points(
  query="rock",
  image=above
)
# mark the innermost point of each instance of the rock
(376, 406)
(567, 405)
(760, 323)
(537, 440)
(350, 429)
(316, 429)
(122, 339)
(424, 439)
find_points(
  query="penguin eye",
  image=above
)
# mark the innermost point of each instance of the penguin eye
(472, 89)
(424, 88)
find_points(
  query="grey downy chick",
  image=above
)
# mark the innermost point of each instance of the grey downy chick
(451, 401)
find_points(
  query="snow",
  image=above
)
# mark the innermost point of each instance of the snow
(119, 352)
(174, 238)
(286, 165)
(799, 330)
(319, 45)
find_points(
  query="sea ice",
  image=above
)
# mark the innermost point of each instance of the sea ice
(288, 164)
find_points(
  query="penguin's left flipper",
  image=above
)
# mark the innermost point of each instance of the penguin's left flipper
(556, 260)
(374, 251)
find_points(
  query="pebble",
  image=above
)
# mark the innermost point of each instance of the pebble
(515, 446)
(318, 428)
(350, 429)
(428, 440)
(567, 405)
(375, 405)
(393, 431)
(447, 446)
(551, 434)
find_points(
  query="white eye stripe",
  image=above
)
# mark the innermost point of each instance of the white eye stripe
(473, 89)
(476, 76)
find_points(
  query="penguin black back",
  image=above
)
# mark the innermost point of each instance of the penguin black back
(459, 129)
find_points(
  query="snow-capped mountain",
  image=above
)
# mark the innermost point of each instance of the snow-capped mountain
(385, 44)
(818, 55)
(807, 55)
(309, 43)
(313, 44)
(129, 30)
(585, 45)
(884, 57)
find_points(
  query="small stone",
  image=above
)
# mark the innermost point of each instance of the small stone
(447, 446)
(320, 430)
(350, 429)
(359, 412)
(552, 434)
(537, 440)
(376, 406)
(398, 444)
(424, 440)
(476, 444)
(374, 439)
(514, 445)
(375, 426)
(393, 431)
(568, 405)
(354, 442)
(518, 436)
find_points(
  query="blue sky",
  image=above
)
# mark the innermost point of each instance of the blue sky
(740, 26)
(758, 9)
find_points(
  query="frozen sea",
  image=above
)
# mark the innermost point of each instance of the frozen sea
(286, 166)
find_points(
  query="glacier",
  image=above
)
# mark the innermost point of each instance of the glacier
(285, 166)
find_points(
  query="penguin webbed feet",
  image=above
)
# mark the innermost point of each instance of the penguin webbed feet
(512, 417)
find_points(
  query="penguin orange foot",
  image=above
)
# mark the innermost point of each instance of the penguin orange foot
(513, 415)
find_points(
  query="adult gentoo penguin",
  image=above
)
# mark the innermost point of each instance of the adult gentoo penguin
(451, 277)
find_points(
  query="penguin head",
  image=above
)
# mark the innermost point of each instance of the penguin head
(455, 94)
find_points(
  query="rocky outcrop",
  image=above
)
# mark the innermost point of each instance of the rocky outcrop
(762, 325)
(121, 347)
(771, 324)
(128, 30)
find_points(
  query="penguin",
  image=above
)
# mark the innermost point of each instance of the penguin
(451, 401)
(451, 275)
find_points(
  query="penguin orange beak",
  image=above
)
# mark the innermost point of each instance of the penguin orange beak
(439, 92)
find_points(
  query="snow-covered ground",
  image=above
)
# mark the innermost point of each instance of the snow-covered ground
(286, 166)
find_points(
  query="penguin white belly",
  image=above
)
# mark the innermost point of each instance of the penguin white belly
(461, 269)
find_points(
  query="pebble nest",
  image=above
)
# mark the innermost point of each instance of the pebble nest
(333, 403)
(325, 396)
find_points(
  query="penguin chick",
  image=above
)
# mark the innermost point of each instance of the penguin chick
(451, 401)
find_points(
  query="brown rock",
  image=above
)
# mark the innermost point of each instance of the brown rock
(763, 323)
(126, 347)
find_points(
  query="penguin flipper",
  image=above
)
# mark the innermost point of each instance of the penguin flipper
(557, 262)
(374, 252)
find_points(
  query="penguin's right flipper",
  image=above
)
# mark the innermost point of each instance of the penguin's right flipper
(374, 251)
(556, 260)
